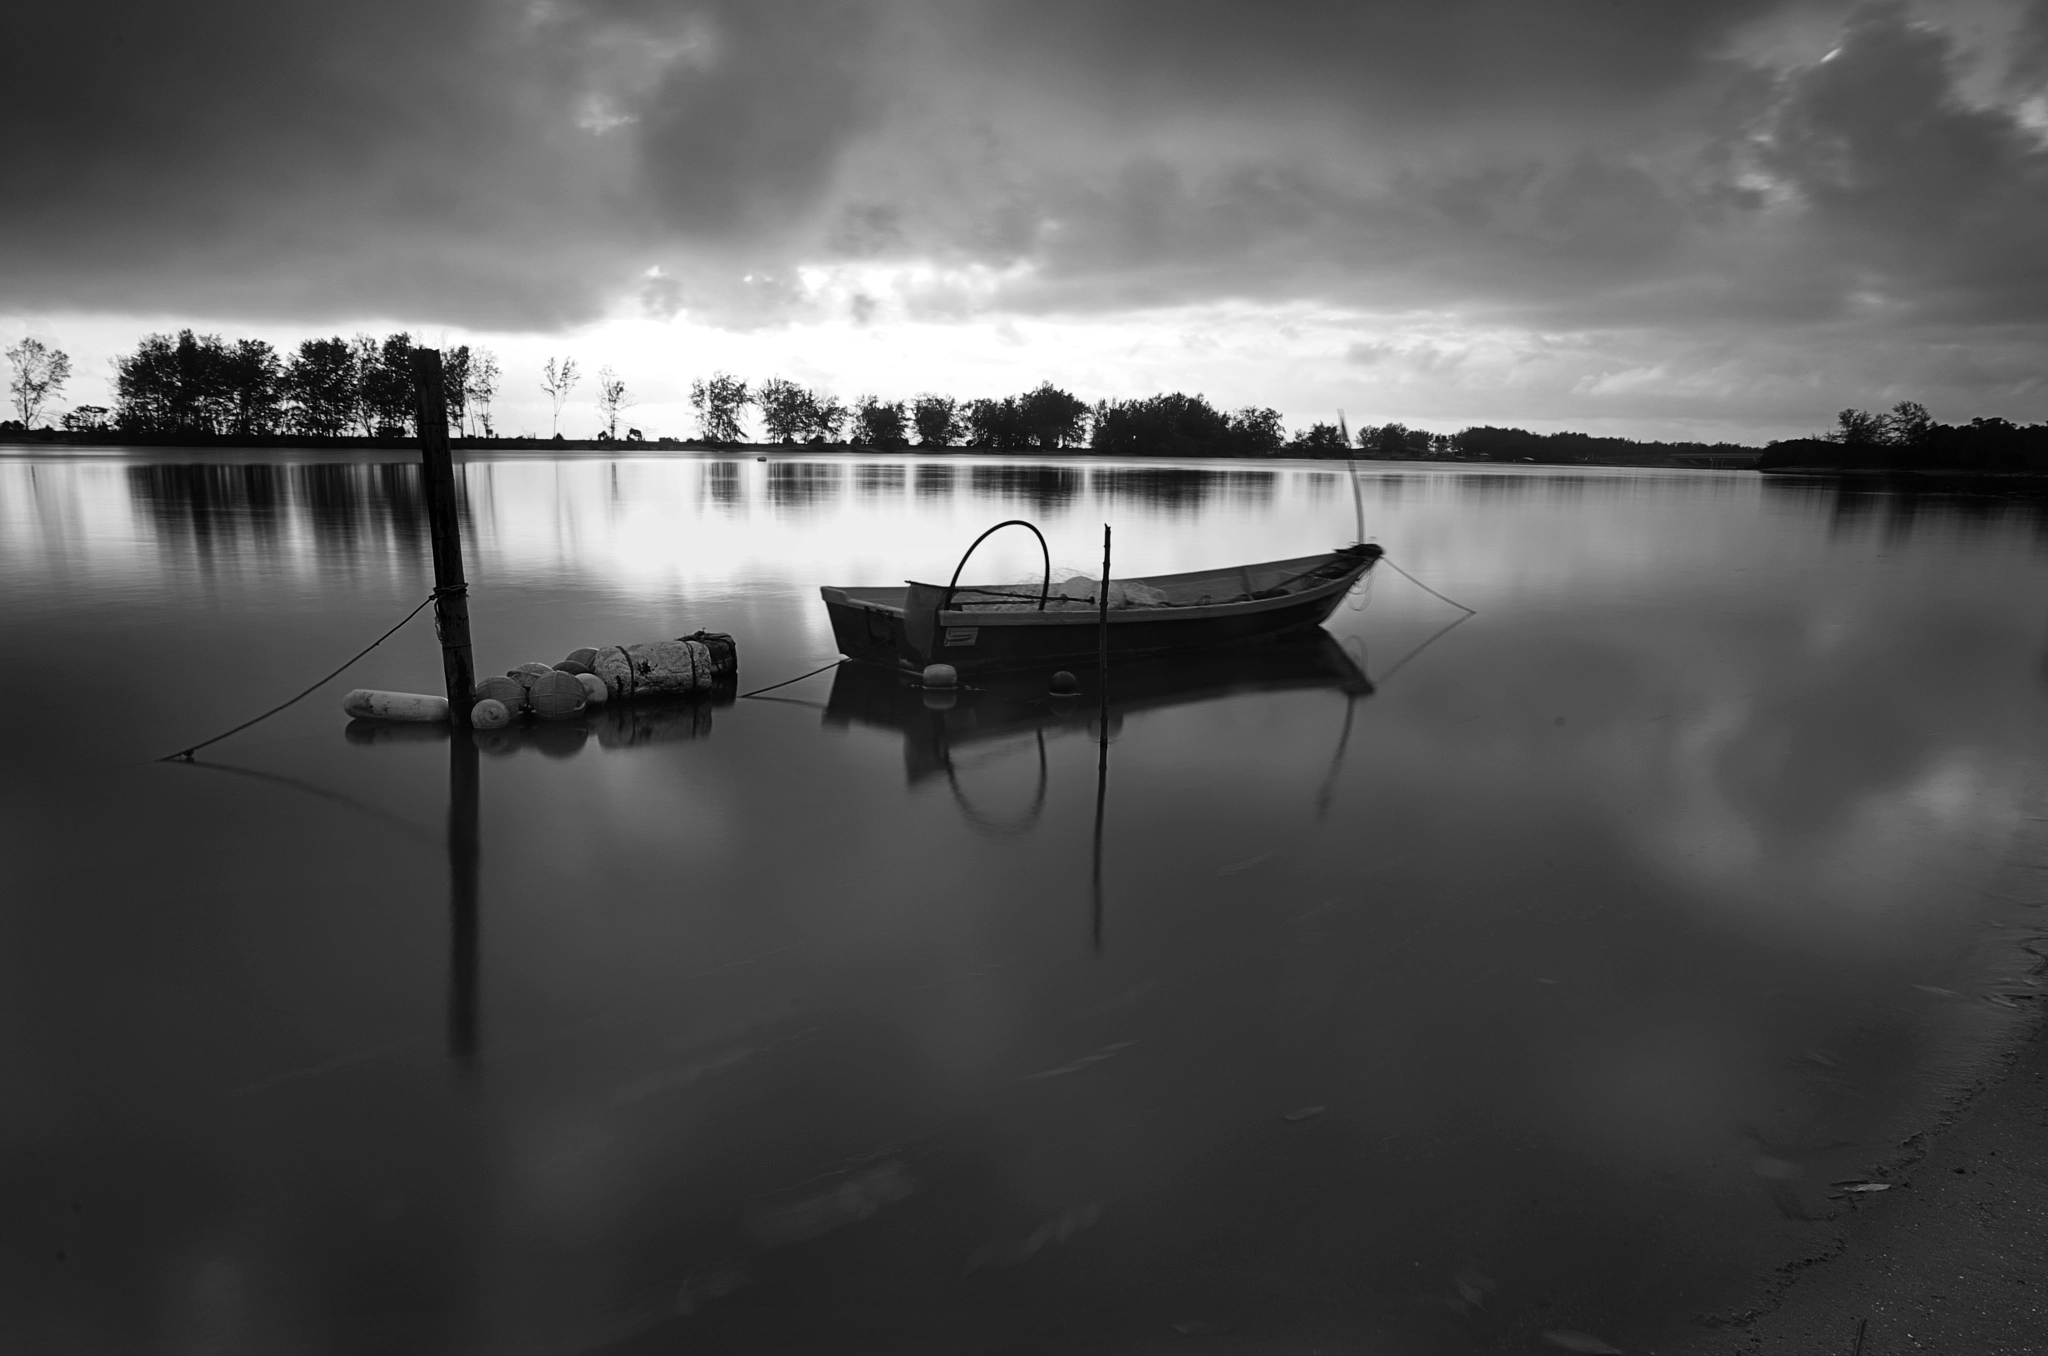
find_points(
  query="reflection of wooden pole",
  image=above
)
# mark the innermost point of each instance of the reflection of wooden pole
(1102, 727)
(464, 853)
(451, 591)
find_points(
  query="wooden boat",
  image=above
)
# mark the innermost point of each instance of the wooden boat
(997, 627)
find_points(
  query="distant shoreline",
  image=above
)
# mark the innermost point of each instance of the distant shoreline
(64, 439)
(1921, 479)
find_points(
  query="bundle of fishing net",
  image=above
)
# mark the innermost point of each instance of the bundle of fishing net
(1071, 591)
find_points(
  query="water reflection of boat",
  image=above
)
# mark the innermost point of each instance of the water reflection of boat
(984, 629)
(934, 723)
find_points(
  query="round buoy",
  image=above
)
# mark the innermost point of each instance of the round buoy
(941, 675)
(556, 696)
(571, 666)
(526, 674)
(594, 690)
(490, 714)
(587, 657)
(508, 692)
(1065, 684)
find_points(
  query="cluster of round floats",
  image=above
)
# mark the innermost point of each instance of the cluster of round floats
(702, 664)
(548, 691)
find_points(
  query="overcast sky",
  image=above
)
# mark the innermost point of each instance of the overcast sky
(1682, 218)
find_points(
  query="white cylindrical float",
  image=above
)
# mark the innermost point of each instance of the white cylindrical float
(367, 704)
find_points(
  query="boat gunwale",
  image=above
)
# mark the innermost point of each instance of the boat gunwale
(850, 597)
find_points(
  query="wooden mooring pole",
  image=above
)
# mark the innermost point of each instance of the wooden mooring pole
(451, 591)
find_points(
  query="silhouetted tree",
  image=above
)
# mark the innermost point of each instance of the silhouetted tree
(611, 399)
(146, 395)
(785, 407)
(1255, 431)
(879, 424)
(938, 420)
(1053, 417)
(1857, 428)
(252, 388)
(455, 387)
(389, 389)
(86, 419)
(320, 387)
(996, 424)
(1320, 440)
(1907, 424)
(827, 416)
(365, 356)
(719, 403)
(40, 372)
(181, 385)
(558, 379)
(480, 387)
(1172, 425)
(1393, 442)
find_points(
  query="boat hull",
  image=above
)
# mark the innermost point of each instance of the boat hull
(912, 628)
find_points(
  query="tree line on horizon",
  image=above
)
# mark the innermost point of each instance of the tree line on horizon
(1907, 437)
(1045, 418)
(1173, 424)
(201, 385)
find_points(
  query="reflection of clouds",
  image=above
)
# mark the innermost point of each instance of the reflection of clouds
(1651, 1092)
(1756, 779)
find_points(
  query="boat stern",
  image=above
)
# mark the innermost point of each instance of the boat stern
(865, 628)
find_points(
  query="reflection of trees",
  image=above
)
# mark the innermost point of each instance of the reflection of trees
(792, 484)
(722, 484)
(1179, 487)
(344, 512)
(1045, 487)
(1246, 487)
(871, 480)
(1850, 508)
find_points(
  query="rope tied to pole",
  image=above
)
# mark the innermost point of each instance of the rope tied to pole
(185, 755)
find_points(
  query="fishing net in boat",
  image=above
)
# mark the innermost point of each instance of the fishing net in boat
(1072, 591)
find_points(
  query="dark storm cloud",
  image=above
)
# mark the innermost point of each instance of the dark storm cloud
(1551, 161)
(249, 157)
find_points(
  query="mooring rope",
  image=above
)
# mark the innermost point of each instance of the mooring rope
(1473, 611)
(816, 671)
(186, 754)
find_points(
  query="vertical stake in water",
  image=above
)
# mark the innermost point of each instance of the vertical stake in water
(1102, 726)
(451, 591)
(451, 624)
(463, 861)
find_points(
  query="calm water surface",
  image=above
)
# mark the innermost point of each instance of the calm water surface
(1541, 979)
